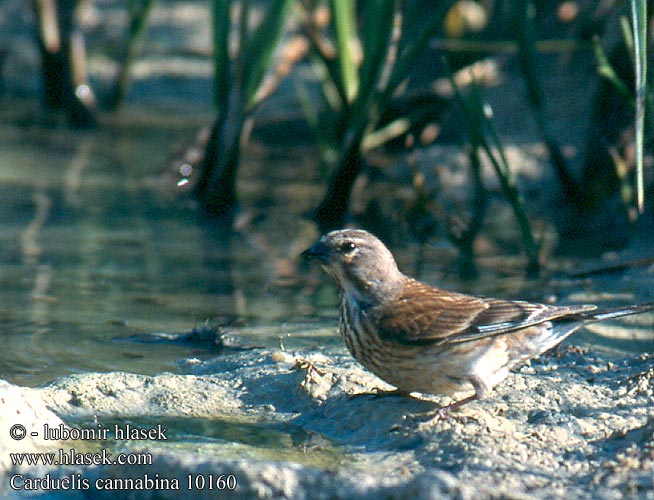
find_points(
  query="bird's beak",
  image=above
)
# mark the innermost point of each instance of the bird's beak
(318, 252)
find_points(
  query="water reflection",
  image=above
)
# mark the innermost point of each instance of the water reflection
(91, 252)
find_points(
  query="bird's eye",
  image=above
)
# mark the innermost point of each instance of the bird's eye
(347, 247)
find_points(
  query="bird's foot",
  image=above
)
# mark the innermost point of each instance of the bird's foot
(445, 413)
(441, 414)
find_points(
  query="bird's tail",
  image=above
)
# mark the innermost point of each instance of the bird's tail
(616, 312)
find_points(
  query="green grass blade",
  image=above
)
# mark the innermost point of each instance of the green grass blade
(528, 56)
(378, 18)
(260, 47)
(344, 25)
(605, 70)
(639, 22)
(627, 34)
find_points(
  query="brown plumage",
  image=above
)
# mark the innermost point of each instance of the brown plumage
(424, 339)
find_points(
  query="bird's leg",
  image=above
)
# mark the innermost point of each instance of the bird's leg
(443, 413)
(481, 391)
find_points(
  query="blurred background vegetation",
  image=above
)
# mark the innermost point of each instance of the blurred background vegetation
(420, 112)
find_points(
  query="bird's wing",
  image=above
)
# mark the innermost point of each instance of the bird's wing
(426, 315)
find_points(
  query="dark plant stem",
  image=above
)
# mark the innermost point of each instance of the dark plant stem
(63, 61)
(465, 242)
(330, 214)
(216, 188)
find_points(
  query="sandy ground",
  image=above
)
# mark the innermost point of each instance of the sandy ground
(573, 424)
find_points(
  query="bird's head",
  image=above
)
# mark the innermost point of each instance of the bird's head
(359, 263)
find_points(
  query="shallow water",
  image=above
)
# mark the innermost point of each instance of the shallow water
(221, 438)
(92, 252)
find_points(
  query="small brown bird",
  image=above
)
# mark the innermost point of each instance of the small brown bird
(419, 338)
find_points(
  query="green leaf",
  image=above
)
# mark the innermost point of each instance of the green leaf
(605, 70)
(639, 21)
(344, 25)
(260, 47)
(379, 16)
